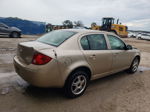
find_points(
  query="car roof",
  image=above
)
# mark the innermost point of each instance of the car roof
(85, 31)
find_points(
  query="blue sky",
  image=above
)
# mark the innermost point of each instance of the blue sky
(134, 13)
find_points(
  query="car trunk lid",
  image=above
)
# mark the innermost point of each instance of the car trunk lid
(26, 50)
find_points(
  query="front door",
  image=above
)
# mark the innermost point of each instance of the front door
(121, 56)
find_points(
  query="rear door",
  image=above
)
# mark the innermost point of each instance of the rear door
(96, 53)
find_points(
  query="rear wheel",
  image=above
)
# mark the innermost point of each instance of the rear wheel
(134, 66)
(15, 35)
(76, 84)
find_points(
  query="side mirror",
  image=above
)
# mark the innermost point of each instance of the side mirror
(129, 47)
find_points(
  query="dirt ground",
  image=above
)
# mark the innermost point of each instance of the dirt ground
(121, 92)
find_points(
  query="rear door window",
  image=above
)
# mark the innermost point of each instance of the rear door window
(94, 42)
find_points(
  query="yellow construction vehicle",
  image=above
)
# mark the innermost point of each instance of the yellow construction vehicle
(109, 25)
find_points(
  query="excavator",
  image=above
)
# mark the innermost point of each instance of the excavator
(109, 25)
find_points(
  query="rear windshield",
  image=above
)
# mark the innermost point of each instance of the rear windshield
(55, 38)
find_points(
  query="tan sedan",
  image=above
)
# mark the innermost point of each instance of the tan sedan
(70, 58)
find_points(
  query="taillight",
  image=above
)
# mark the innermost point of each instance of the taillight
(40, 59)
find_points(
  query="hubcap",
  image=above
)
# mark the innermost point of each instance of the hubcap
(78, 84)
(15, 35)
(135, 65)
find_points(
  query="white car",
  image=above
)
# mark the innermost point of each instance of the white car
(132, 35)
(144, 36)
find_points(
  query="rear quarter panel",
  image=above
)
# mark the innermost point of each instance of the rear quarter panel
(69, 60)
(70, 57)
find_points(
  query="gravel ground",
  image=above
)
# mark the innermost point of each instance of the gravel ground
(121, 92)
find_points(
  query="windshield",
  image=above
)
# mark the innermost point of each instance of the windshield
(145, 35)
(3, 25)
(57, 37)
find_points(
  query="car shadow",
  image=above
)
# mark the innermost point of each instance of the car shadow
(43, 93)
(108, 78)
(52, 93)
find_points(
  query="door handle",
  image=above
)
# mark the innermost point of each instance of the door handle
(93, 56)
(116, 53)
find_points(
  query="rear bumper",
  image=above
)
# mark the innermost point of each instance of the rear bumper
(40, 76)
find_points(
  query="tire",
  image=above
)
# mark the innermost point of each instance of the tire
(15, 35)
(76, 84)
(134, 66)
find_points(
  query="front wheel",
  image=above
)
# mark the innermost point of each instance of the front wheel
(15, 35)
(76, 84)
(134, 66)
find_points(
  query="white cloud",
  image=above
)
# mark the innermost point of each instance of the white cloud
(55, 11)
(139, 24)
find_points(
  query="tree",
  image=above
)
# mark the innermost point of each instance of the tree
(68, 23)
(49, 27)
(93, 24)
(79, 24)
